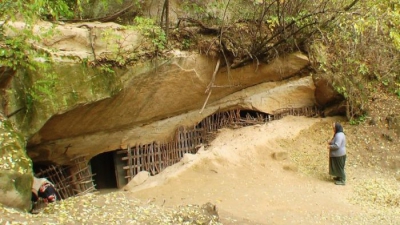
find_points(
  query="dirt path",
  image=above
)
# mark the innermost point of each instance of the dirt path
(263, 195)
(239, 174)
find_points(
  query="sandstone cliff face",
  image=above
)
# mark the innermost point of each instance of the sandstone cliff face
(164, 96)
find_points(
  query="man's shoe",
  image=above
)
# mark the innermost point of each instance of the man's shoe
(336, 178)
(339, 182)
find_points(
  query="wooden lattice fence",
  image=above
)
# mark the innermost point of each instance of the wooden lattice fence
(75, 179)
(309, 111)
(58, 175)
(82, 177)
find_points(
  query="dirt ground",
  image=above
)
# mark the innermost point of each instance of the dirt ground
(277, 173)
(274, 173)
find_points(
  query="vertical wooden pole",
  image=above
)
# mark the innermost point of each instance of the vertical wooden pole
(130, 163)
(139, 159)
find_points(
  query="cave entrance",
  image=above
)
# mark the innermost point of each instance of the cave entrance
(107, 170)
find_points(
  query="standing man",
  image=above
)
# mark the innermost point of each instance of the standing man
(337, 154)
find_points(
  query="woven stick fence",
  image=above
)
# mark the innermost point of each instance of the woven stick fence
(82, 179)
(70, 181)
(155, 157)
(58, 175)
(304, 111)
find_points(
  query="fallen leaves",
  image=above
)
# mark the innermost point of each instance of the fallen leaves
(113, 208)
(377, 192)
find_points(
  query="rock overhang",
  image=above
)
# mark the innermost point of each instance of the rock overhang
(170, 95)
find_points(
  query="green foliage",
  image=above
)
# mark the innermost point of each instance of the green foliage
(359, 52)
(119, 53)
(38, 91)
(54, 9)
(358, 120)
(115, 46)
(107, 69)
(397, 92)
(196, 9)
(18, 50)
(12, 54)
(35, 89)
(43, 88)
(186, 43)
(150, 30)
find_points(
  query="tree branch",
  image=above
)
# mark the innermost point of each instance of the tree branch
(210, 85)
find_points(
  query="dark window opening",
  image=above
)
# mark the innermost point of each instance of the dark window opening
(39, 168)
(103, 169)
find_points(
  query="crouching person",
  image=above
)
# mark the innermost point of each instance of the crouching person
(42, 189)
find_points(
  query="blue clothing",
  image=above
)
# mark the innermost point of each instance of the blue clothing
(337, 146)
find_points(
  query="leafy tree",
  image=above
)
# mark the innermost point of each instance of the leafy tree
(260, 30)
(359, 53)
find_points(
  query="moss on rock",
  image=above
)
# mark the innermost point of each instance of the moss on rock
(15, 168)
(56, 89)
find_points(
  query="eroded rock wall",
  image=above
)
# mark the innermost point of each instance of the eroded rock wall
(166, 95)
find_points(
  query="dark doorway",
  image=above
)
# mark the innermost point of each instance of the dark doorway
(103, 168)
